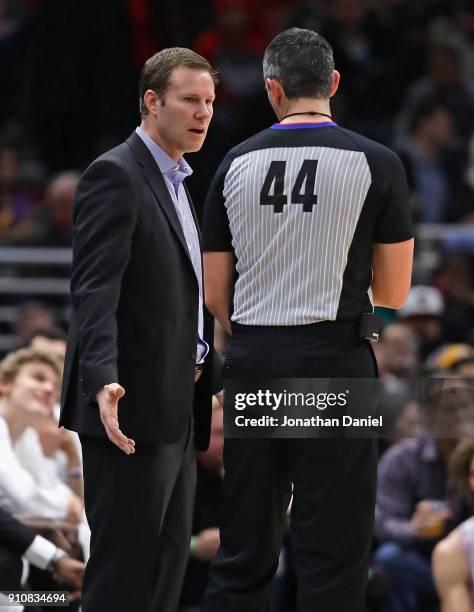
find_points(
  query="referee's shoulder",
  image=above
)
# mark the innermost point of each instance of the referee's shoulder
(373, 149)
(254, 142)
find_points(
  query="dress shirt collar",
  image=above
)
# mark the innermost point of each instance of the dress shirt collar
(166, 164)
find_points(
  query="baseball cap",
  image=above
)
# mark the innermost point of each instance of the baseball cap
(448, 355)
(423, 300)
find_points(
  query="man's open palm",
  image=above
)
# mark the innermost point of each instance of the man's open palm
(108, 399)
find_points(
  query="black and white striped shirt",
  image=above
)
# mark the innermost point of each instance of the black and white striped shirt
(301, 205)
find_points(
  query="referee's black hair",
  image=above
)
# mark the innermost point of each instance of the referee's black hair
(302, 61)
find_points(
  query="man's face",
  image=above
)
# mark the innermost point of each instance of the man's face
(184, 112)
(399, 349)
(47, 345)
(454, 411)
(33, 391)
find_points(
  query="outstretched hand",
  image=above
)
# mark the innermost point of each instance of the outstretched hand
(108, 399)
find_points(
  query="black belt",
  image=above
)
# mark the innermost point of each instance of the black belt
(366, 327)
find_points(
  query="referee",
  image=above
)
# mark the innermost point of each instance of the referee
(306, 228)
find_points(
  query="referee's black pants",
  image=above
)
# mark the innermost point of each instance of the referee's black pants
(334, 483)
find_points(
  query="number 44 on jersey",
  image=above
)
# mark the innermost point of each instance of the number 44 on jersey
(275, 181)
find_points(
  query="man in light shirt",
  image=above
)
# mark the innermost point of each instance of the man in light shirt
(29, 381)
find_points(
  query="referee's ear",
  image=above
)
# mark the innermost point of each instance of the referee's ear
(336, 78)
(275, 92)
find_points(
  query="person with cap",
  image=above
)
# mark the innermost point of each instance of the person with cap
(449, 357)
(306, 228)
(423, 312)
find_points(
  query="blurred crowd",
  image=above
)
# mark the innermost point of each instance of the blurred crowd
(68, 82)
(68, 76)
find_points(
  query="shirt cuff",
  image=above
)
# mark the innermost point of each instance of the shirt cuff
(202, 351)
(40, 552)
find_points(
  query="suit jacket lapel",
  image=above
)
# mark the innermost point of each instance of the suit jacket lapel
(157, 183)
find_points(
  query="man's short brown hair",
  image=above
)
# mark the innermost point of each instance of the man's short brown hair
(157, 70)
(11, 365)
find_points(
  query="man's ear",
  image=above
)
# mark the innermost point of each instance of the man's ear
(152, 101)
(275, 90)
(336, 78)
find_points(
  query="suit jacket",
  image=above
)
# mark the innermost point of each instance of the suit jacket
(13, 534)
(134, 305)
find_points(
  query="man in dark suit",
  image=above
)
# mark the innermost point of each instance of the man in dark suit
(138, 335)
(18, 540)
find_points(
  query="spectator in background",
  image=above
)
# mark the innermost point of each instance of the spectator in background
(448, 356)
(408, 422)
(56, 217)
(29, 483)
(16, 207)
(430, 132)
(49, 340)
(445, 82)
(60, 459)
(453, 557)
(32, 316)
(434, 145)
(61, 448)
(411, 478)
(402, 414)
(457, 30)
(411, 512)
(20, 543)
(51, 454)
(29, 382)
(235, 46)
(351, 27)
(455, 280)
(422, 313)
(397, 352)
(406, 36)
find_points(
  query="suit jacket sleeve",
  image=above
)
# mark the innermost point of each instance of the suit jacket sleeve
(13, 534)
(104, 217)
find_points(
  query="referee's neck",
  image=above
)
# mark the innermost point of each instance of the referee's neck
(304, 107)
